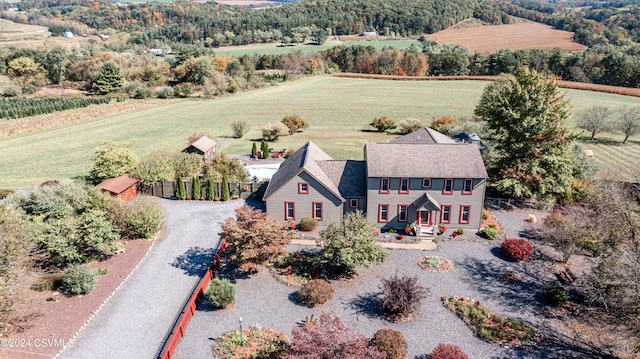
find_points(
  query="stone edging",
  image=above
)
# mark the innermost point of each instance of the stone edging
(71, 340)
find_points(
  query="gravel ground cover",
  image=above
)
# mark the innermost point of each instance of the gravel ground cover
(263, 301)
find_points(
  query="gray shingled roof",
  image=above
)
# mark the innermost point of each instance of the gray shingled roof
(203, 144)
(349, 176)
(424, 135)
(427, 201)
(304, 159)
(424, 160)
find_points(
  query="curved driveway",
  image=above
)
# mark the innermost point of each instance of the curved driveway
(134, 322)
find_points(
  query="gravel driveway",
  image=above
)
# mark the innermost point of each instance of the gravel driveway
(135, 321)
(262, 301)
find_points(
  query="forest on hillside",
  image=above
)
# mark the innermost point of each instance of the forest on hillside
(191, 32)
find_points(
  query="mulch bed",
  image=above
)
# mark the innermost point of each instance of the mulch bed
(435, 264)
(48, 315)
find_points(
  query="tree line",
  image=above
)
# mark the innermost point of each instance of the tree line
(23, 107)
(219, 25)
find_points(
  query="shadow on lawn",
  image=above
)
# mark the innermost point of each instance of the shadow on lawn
(195, 261)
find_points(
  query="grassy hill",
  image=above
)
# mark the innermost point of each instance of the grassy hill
(337, 109)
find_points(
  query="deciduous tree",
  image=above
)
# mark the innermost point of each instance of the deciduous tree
(594, 119)
(628, 121)
(253, 238)
(113, 159)
(526, 121)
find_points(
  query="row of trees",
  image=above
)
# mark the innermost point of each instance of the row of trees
(596, 119)
(217, 25)
(23, 107)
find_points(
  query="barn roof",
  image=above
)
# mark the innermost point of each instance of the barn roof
(203, 144)
(118, 185)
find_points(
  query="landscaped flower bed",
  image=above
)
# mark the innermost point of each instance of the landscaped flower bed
(435, 264)
(488, 325)
(254, 343)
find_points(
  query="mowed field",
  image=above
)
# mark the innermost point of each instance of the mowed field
(338, 109)
(515, 36)
(277, 48)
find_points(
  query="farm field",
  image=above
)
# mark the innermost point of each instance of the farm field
(515, 36)
(277, 49)
(338, 109)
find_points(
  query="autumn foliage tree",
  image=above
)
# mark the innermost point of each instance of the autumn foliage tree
(330, 338)
(253, 238)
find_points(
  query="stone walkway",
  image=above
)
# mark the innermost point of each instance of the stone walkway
(135, 321)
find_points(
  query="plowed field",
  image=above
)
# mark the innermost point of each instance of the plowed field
(516, 36)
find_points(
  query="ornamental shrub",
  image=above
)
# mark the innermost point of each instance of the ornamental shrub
(316, 292)
(518, 249)
(144, 217)
(557, 295)
(401, 296)
(489, 233)
(181, 192)
(308, 224)
(391, 342)
(78, 280)
(224, 195)
(383, 124)
(239, 128)
(448, 351)
(221, 293)
(196, 188)
(211, 192)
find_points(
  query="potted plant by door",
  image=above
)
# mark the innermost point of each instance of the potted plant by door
(442, 228)
(292, 224)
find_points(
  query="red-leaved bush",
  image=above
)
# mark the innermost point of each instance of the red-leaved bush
(448, 351)
(518, 249)
(330, 338)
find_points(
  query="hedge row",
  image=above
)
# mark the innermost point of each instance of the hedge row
(24, 107)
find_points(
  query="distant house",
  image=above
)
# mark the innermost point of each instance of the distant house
(124, 187)
(204, 146)
(424, 178)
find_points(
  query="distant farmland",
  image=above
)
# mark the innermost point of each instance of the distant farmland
(338, 109)
(516, 36)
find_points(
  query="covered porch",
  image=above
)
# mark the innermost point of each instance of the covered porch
(427, 216)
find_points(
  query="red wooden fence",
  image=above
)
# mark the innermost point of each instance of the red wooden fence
(189, 309)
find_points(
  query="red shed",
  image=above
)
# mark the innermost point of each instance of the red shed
(203, 146)
(125, 187)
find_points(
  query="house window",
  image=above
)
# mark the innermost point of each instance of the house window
(445, 213)
(465, 212)
(383, 213)
(448, 186)
(404, 185)
(318, 210)
(426, 183)
(290, 211)
(303, 187)
(384, 185)
(402, 212)
(354, 202)
(467, 188)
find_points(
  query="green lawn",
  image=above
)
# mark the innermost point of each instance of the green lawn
(337, 109)
(277, 49)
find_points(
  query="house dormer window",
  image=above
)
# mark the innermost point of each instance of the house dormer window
(467, 187)
(448, 186)
(404, 185)
(384, 185)
(303, 187)
(426, 183)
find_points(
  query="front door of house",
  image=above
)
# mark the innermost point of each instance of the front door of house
(424, 218)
